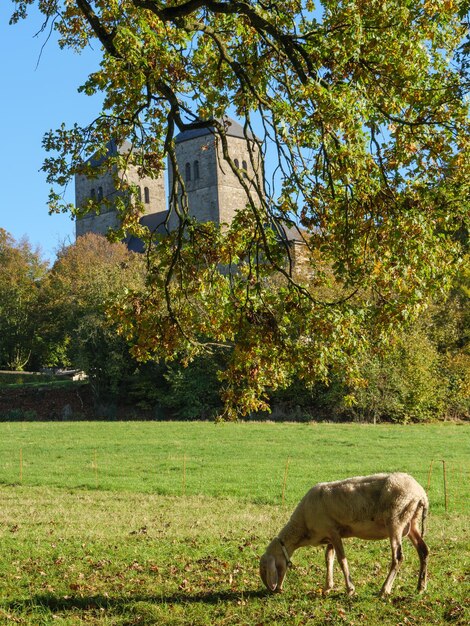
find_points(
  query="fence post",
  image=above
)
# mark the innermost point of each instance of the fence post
(444, 472)
(285, 480)
(95, 455)
(429, 475)
(445, 483)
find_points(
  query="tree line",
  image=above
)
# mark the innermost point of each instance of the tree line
(68, 315)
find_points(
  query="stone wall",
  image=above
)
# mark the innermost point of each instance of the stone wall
(71, 403)
(46, 403)
(103, 187)
(214, 191)
(201, 184)
(231, 195)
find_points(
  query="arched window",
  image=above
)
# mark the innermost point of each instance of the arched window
(188, 172)
(237, 163)
(147, 195)
(93, 195)
(245, 167)
(100, 193)
(196, 170)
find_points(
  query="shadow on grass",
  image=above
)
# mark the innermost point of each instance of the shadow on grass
(119, 604)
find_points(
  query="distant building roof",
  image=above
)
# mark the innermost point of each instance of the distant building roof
(233, 129)
(289, 231)
(155, 222)
(112, 150)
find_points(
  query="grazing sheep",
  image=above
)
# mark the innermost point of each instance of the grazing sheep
(367, 507)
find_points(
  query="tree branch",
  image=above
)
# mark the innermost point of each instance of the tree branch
(106, 38)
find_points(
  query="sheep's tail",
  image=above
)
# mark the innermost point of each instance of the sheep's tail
(424, 514)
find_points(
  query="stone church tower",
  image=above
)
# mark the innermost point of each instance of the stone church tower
(214, 191)
(152, 192)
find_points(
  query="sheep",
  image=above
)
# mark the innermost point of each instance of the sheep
(368, 507)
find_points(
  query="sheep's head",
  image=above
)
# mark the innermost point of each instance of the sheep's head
(272, 569)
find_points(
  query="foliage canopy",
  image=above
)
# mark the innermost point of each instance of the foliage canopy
(360, 116)
(74, 298)
(21, 269)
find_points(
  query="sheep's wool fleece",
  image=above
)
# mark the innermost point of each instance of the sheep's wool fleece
(366, 497)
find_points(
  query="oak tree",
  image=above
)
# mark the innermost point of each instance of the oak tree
(355, 114)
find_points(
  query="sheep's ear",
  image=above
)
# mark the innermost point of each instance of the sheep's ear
(271, 574)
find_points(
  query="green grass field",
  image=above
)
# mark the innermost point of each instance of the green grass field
(163, 523)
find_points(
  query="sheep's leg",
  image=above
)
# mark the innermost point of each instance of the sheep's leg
(329, 559)
(340, 554)
(397, 559)
(423, 551)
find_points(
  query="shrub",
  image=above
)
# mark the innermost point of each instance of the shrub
(402, 386)
(193, 391)
(456, 372)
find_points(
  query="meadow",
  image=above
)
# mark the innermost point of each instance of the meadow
(132, 523)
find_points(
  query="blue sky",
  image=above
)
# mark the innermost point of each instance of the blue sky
(34, 100)
(39, 91)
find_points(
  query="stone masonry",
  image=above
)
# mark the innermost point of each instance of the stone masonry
(214, 191)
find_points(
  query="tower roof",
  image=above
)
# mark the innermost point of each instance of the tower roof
(233, 129)
(112, 150)
(155, 222)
